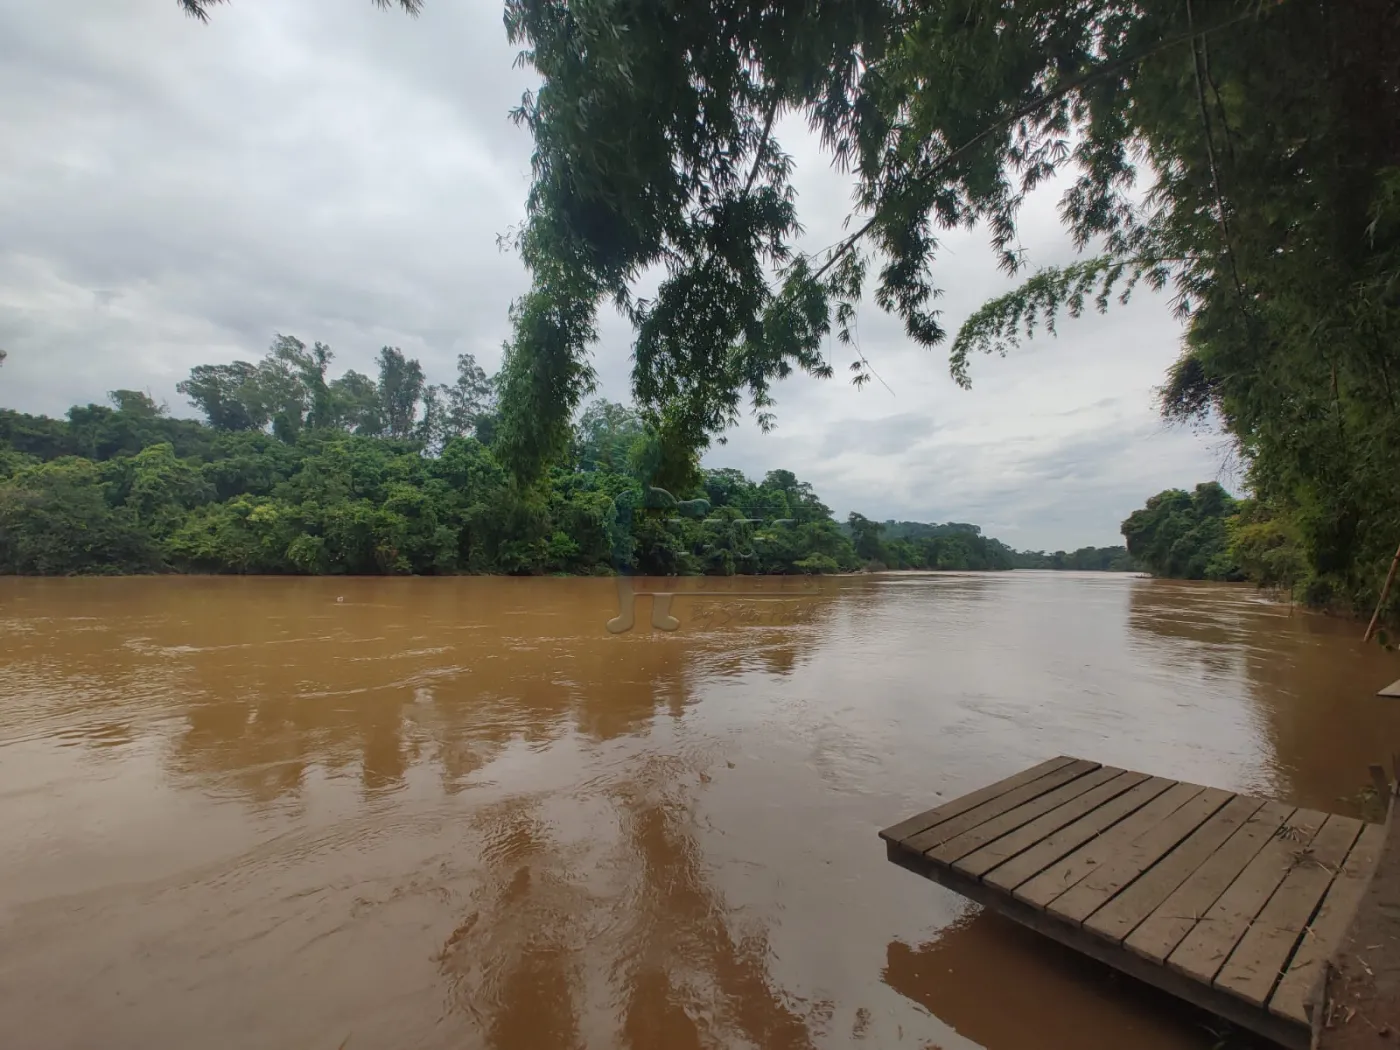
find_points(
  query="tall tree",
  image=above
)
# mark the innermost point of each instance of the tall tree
(868, 537)
(802, 499)
(607, 433)
(432, 427)
(401, 385)
(308, 366)
(136, 403)
(226, 395)
(280, 389)
(355, 402)
(287, 388)
(467, 400)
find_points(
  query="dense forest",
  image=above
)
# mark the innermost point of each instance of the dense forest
(295, 472)
(1209, 535)
(1190, 535)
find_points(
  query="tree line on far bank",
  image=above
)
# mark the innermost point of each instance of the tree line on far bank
(295, 472)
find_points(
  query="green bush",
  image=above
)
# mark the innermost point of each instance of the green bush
(56, 520)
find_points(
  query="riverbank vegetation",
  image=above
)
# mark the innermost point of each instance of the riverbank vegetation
(1209, 535)
(295, 472)
(1186, 535)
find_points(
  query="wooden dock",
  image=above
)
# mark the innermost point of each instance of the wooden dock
(1230, 902)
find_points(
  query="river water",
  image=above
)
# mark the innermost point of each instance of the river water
(380, 814)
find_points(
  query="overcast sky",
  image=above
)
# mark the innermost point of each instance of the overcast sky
(174, 194)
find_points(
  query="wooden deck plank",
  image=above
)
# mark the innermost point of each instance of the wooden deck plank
(1325, 931)
(1263, 952)
(1158, 934)
(1226, 901)
(1120, 916)
(1066, 873)
(1203, 951)
(1003, 849)
(927, 819)
(1009, 821)
(1044, 853)
(1114, 873)
(966, 821)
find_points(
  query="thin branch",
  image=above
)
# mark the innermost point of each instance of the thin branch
(1221, 210)
(1219, 102)
(762, 143)
(871, 368)
(1030, 108)
(866, 361)
(845, 245)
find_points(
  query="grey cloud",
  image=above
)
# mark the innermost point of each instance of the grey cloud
(339, 174)
(1102, 403)
(885, 436)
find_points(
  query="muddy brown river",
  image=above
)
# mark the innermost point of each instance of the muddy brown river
(383, 814)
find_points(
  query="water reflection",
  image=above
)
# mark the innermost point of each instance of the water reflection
(1309, 679)
(544, 937)
(513, 960)
(373, 682)
(1044, 992)
(461, 813)
(682, 939)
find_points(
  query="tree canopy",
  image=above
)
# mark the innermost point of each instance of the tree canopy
(655, 149)
(1184, 534)
(289, 390)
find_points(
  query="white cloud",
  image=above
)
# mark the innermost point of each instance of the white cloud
(175, 194)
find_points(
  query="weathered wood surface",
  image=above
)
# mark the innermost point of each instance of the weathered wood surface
(1263, 951)
(1227, 901)
(1329, 925)
(1358, 1002)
